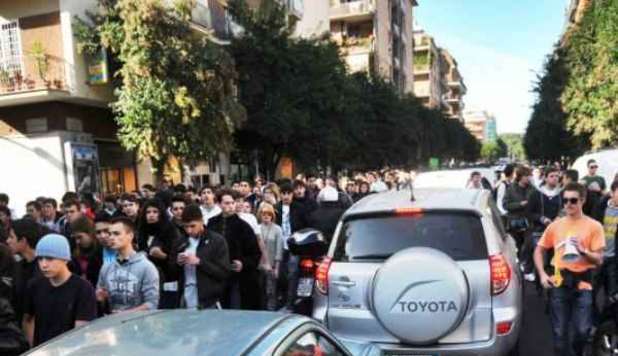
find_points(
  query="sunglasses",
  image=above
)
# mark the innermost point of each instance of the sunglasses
(572, 201)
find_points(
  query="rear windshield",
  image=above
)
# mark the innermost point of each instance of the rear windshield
(378, 237)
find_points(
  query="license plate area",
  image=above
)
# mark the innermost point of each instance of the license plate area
(305, 287)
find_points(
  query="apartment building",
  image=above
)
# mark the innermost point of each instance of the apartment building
(430, 84)
(57, 132)
(481, 125)
(456, 89)
(376, 36)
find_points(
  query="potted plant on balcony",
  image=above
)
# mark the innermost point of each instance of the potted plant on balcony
(6, 81)
(41, 61)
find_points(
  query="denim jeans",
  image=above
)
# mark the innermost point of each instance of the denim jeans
(571, 319)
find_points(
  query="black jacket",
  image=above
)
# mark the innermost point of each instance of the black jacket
(95, 262)
(12, 339)
(241, 240)
(298, 216)
(164, 236)
(212, 272)
(541, 205)
(513, 197)
(326, 217)
(309, 204)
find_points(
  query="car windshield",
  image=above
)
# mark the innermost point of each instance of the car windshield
(378, 237)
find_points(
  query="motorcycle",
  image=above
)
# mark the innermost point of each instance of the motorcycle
(308, 246)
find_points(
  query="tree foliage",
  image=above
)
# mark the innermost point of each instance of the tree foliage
(515, 146)
(592, 87)
(493, 150)
(174, 94)
(302, 103)
(576, 108)
(547, 136)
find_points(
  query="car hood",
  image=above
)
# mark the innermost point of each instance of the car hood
(172, 332)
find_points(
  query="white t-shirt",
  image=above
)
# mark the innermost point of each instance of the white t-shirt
(190, 295)
(210, 213)
(286, 225)
(252, 221)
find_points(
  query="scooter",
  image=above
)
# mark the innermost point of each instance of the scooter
(309, 247)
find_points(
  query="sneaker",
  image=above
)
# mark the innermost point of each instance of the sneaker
(530, 277)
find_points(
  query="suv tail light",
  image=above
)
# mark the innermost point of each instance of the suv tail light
(321, 276)
(500, 273)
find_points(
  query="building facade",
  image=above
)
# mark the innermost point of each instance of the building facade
(456, 89)
(376, 36)
(57, 132)
(430, 84)
(481, 125)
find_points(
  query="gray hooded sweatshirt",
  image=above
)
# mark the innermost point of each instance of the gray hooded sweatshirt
(130, 283)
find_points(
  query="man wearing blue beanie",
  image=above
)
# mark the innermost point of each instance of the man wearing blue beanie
(59, 300)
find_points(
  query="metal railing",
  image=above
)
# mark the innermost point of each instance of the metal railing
(32, 73)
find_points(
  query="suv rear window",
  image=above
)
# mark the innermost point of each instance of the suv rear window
(372, 238)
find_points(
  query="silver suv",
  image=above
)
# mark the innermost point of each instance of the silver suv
(434, 274)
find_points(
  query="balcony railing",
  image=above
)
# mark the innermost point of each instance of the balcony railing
(354, 45)
(354, 10)
(30, 73)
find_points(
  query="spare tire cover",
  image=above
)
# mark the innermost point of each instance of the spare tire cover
(420, 295)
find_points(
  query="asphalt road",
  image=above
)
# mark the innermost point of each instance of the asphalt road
(536, 338)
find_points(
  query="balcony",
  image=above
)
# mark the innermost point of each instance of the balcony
(357, 45)
(29, 74)
(452, 98)
(353, 11)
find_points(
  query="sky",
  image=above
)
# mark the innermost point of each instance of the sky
(500, 46)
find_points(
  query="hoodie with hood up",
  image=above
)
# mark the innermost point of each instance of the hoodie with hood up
(130, 283)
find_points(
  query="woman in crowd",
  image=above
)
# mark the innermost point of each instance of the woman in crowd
(156, 237)
(273, 242)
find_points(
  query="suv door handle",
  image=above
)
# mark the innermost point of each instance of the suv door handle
(344, 283)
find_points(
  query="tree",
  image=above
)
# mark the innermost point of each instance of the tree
(292, 88)
(174, 97)
(492, 151)
(515, 146)
(303, 104)
(547, 137)
(592, 87)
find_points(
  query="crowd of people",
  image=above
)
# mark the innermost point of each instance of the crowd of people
(564, 227)
(66, 263)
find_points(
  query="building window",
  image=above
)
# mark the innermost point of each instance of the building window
(10, 47)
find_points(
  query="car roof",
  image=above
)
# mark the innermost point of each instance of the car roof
(168, 332)
(456, 178)
(427, 198)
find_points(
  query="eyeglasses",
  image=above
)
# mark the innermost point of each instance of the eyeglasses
(572, 201)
